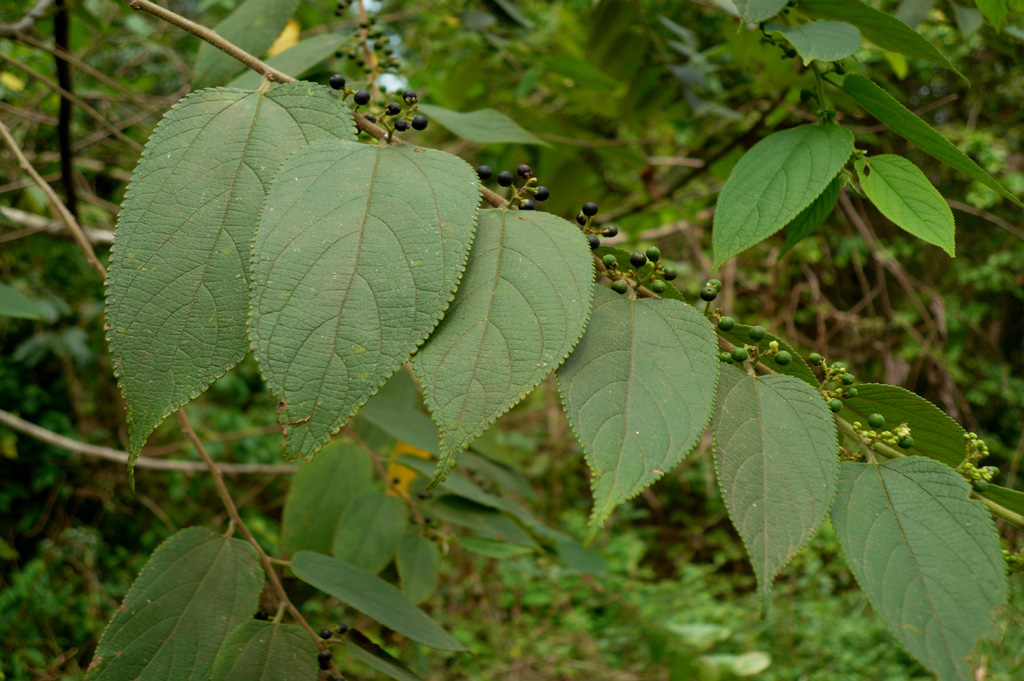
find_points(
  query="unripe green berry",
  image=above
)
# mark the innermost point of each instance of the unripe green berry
(839, 366)
(848, 379)
(609, 261)
(658, 286)
(726, 323)
(836, 406)
(717, 283)
(906, 442)
(851, 392)
(980, 485)
(814, 358)
(876, 420)
(757, 333)
(708, 293)
(620, 286)
(724, 356)
(740, 354)
(653, 253)
(783, 358)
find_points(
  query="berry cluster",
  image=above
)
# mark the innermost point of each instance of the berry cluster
(896, 437)
(837, 383)
(382, 54)
(976, 450)
(654, 278)
(392, 119)
(1014, 561)
(526, 193)
(752, 350)
(585, 219)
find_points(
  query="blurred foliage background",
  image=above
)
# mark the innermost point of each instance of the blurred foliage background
(644, 106)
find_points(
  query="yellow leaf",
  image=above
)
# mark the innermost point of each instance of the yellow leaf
(397, 472)
(451, 21)
(11, 81)
(289, 36)
(897, 62)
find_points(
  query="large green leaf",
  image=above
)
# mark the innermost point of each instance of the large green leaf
(14, 303)
(775, 180)
(759, 10)
(638, 391)
(903, 194)
(882, 29)
(253, 26)
(521, 308)
(926, 555)
(358, 252)
(821, 40)
(368, 532)
(320, 493)
(296, 60)
(908, 125)
(777, 458)
(266, 651)
(485, 126)
(935, 434)
(177, 282)
(419, 566)
(196, 587)
(371, 596)
(1009, 498)
(809, 218)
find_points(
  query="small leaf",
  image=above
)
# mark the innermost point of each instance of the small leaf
(907, 125)
(358, 253)
(775, 180)
(926, 555)
(493, 549)
(994, 10)
(809, 218)
(368, 532)
(396, 411)
(372, 655)
(253, 26)
(777, 458)
(419, 566)
(638, 392)
(485, 126)
(884, 30)
(320, 492)
(821, 40)
(968, 19)
(195, 588)
(296, 61)
(371, 596)
(798, 368)
(902, 193)
(266, 651)
(521, 308)
(13, 303)
(759, 10)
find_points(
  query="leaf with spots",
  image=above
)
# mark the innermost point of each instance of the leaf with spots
(357, 255)
(177, 287)
(777, 458)
(521, 308)
(266, 651)
(927, 556)
(638, 391)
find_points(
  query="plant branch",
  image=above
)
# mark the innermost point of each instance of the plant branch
(37, 13)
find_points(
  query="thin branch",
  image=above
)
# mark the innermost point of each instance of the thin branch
(37, 13)
(109, 454)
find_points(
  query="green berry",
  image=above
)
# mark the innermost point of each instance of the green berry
(717, 283)
(653, 253)
(836, 406)
(906, 443)
(708, 293)
(838, 365)
(848, 379)
(609, 261)
(724, 357)
(851, 392)
(669, 273)
(980, 485)
(814, 358)
(876, 421)
(757, 333)
(783, 358)
(658, 286)
(726, 323)
(620, 286)
(740, 354)
(638, 260)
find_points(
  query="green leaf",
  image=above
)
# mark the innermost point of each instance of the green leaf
(253, 26)
(502, 475)
(456, 483)
(809, 218)
(491, 548)
(994, 10)
(484, 520)
(759, 10)
(574, 556)
(968, 19)
(13, 303)
(195, 588)
(371, 596)
(926, 555)
(320, 492)
(638, 391)
(777, 458)
(1008, 498)
(798, 368)
(902, 193)
(907, 125)
(266, 651)
(395, 410)
(521, 308)
(935, 434)
(368, 531)
(177, 283)
(358, 253)
(372, 655)
(419, 566)
(821, 40)
(775, 180)
(884, 30)
(296, 61)
(485, 126)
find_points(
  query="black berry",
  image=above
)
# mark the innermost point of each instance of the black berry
(610, 231)
(620, 286)
(543, 194)
(505, 178)
(669, 274)
(341, 628)
(325, 634)
(594, 242)
(590, 209)
(653, 253)
(783, 358)
(393, 109)
(876, 420)
(410, 97)
(757, 333)
(401, 125)
(525, 171)
(740, 354)
(708, 293)
(337, 81)
(483, 172)
(419, 122)
(261, 614)
(638, 259)
(527, 204)
(361, 97)
(581, 219)
(324, 659)
(424, 495)
(371, 118)
(726, 323)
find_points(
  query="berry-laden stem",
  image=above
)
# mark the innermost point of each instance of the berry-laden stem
(822, 100)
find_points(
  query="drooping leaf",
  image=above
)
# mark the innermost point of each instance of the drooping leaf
(177, 284)
(253, 26)
(485, 126)
(882, 29)
(821, 40)
(909, 126)
(296, 61)
(459, 484)
(926, 555)
(759, 10)
(638, 392)
(372, 655)
(809, 218)
(373, 597)
(368, 531)
(194, 590)
(492, 548)
(777, 458)
(935, 434)
(14, 303)
(994, 10)
(320, 493)
(266, 651)
(521, 308)
(775, 180)
(798, 368)
(419, 566)
(358, 252)
(484, 520)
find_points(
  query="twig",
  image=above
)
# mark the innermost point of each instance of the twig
(49, 437)
(35, 14)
